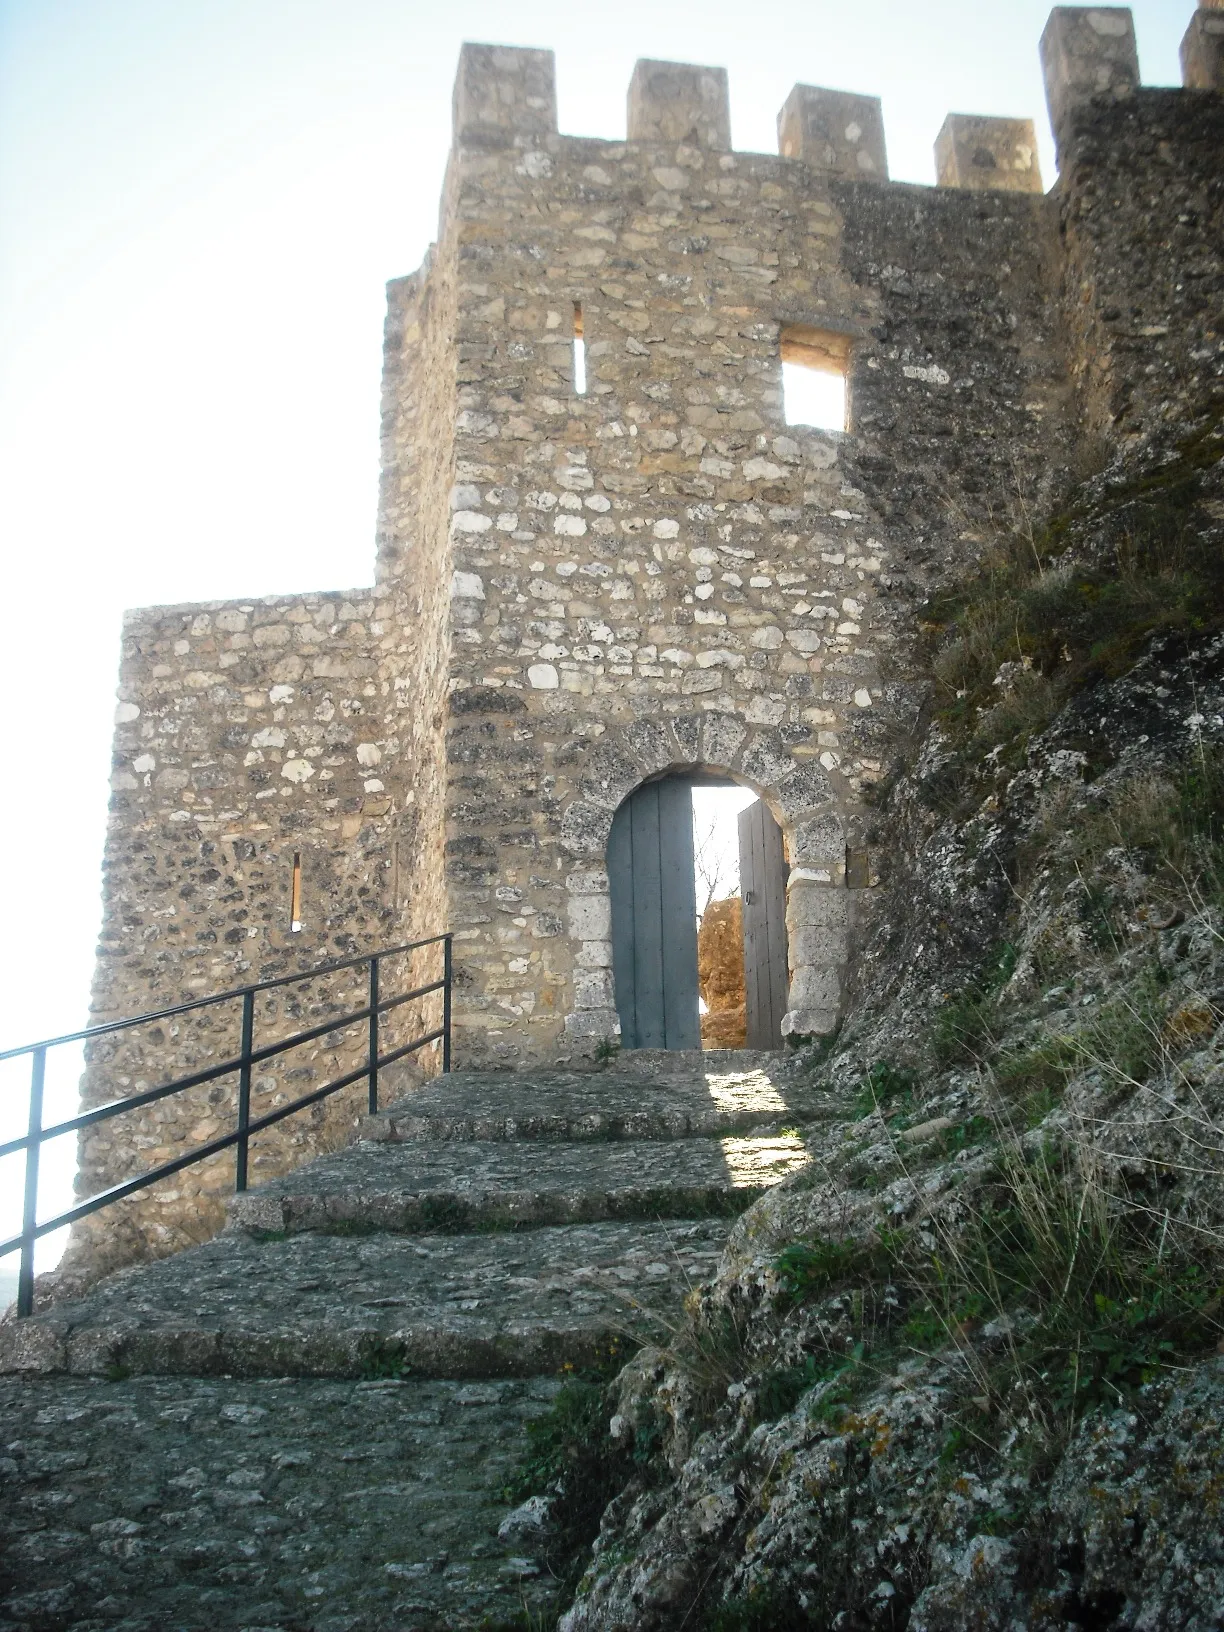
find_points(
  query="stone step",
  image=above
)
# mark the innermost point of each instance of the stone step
(676, 1063)
(177, 1503)
(512, 1304)
(659, 1096)
(509, 1184)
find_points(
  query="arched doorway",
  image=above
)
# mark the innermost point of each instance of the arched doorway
(651, 877)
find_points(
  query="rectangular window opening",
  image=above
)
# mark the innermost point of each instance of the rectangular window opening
(814, 365)
(295, 897)
(579, 353)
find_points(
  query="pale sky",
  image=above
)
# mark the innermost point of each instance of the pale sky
(200, 203)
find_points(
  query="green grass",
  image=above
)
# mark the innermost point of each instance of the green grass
(966, 1025)
(964, 1135)
(1091, 1293)
(384, 1359)
(764, 1609)
(884, 1086)
(1066, 621)
(569, 1454)
(808, 1270)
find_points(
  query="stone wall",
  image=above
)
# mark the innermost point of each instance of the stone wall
(248, 734)
(581, 589)
(1141, 216)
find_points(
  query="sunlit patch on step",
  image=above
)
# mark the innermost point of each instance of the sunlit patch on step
(743, 1090)
(753, 1162)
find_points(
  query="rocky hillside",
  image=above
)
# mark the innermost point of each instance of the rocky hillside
(965, 1369)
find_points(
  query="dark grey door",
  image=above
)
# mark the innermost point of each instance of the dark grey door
(654, 917)
(763, 888)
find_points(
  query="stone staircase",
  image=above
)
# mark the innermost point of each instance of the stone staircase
(308, 1422)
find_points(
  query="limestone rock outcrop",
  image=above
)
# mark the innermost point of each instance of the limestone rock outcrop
(855, 1430)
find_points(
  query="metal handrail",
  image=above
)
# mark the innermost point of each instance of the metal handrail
(248, 1056)
(219, 997)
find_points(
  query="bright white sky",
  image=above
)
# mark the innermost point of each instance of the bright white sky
(716, 841)
(200, 203)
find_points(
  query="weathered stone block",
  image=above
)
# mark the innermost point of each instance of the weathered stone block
(810, 1022)
(596, 1023)
(504, 91)
(803, 791)
(815, 989)
(974, 151)
(819, 906)
(766, 761)
(590, 917)
(679, 102)
(593, 990)
(1202, 51)
(834, 131)
(721, 739)
(820, 842)
(816, 946)
(584, 829)
(1087, 52)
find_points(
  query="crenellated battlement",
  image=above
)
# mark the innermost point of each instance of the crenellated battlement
(507, 94)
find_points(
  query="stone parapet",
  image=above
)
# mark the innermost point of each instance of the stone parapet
(835, 133)
(502, 93)
(679, 102)
(973, 151)
(1087, 53)
(1202, 50)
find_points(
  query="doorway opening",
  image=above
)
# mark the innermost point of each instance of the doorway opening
(697, 877)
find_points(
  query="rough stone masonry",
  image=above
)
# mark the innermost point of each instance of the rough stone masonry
(577, 590)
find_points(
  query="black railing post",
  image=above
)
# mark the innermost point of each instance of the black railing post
(373, 1035)
(447, 974)
(244, 1089)
(25, 1274)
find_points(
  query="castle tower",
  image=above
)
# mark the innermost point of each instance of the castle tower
(605, 556)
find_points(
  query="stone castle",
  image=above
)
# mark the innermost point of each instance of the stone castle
(578, 590)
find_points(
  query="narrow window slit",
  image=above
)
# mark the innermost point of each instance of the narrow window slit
(295, 896)
(814, 363)
(579, 353)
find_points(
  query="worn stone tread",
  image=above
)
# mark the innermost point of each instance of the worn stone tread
(423, 1185)
(727, 1092)
(319, 1305)
(181, 1505)
(201, 1487)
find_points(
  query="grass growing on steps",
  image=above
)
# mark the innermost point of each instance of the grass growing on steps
(571, 1457)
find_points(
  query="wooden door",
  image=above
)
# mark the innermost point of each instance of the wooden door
(763, 888)
(654, 917)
